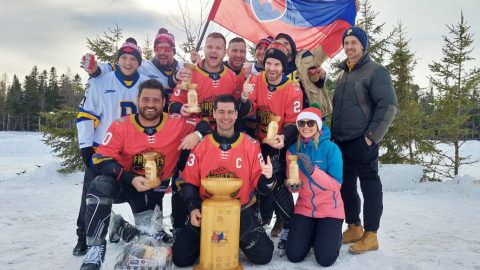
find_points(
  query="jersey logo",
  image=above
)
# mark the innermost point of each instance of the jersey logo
(221, 172)
(108, 91)
(225, 146)
(150, 131)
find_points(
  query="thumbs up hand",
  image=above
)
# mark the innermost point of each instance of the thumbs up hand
(267, 168)
(247, 88)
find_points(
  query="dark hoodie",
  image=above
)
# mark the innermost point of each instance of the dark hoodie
(291, 67)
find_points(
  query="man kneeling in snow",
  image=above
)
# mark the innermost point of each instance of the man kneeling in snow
(225, 152)
(120, 166)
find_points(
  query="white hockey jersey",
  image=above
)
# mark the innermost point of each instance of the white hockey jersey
(147, 68)
(107, 98)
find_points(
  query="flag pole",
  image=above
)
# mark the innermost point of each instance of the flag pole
(211, 16)
(202, 35)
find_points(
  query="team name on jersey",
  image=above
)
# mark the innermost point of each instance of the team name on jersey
(207, 106)
(221, 172)
(138, 163)
(264, 114)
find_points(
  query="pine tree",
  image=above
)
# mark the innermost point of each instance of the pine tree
(3, 92)
(59, 130)
(378, 44)
(42, 90)
(15, 97)
(455, 84)
(60, 134)
(147, 49)
(53, 98)
(105, 47)
(406, 140)
(32, 94)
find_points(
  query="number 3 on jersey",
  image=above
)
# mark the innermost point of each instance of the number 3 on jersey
(191, 160)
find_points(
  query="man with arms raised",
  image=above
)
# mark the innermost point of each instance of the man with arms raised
(106, 98)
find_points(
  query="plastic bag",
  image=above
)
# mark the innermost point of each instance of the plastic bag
(145, 252)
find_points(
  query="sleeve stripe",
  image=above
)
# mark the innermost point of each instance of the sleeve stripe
(83, 116)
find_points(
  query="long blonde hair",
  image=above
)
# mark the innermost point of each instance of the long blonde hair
(316, 139)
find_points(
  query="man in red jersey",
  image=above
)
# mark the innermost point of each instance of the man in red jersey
(212, 79)
(272, 93)
(230, 153)
(120, 166)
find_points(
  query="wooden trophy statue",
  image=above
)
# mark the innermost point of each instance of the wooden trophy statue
(272, 129)
(192, 97)
(220, 233)
(293, 181)
(150, 167)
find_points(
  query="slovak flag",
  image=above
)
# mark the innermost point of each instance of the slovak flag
(309, 22)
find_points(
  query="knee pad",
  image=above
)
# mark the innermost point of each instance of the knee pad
(103, 186)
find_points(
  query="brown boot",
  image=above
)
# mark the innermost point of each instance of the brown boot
(353, 234)
(368, 242)
(277, 228)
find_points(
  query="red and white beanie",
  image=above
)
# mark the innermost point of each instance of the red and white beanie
(130, 47)
(164, 36)
(311, 113)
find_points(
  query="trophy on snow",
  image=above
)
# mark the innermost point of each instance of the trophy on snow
(220, 234)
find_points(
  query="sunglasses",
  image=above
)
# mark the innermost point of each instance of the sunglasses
(163, 49)
(309, 123)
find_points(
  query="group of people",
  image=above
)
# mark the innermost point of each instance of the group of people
(136, 106)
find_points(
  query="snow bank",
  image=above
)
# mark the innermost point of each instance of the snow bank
(399, 177)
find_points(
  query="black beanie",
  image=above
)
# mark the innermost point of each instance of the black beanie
(278, 51)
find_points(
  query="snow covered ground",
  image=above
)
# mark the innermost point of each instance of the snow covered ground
(424, 225)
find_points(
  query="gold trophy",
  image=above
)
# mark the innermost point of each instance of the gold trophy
(192, 98)
(150, 167)
(220, 228)
(272, 129)
(293, 180)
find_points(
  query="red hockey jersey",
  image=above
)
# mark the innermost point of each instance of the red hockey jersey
(242, 159)
(284, 100)
(126, 141)
(209, 86)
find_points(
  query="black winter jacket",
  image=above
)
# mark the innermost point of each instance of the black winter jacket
(364, 103)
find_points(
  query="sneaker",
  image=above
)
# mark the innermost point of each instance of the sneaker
(164, 237)
(95, 257)
(81, 248)
(369, 242)
(115, 226)
(282, 244)
(353, 234)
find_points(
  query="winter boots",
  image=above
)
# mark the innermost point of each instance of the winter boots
(121, 229)
(95, 257)
(353, 234)
(368, 242)
(81, 248)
